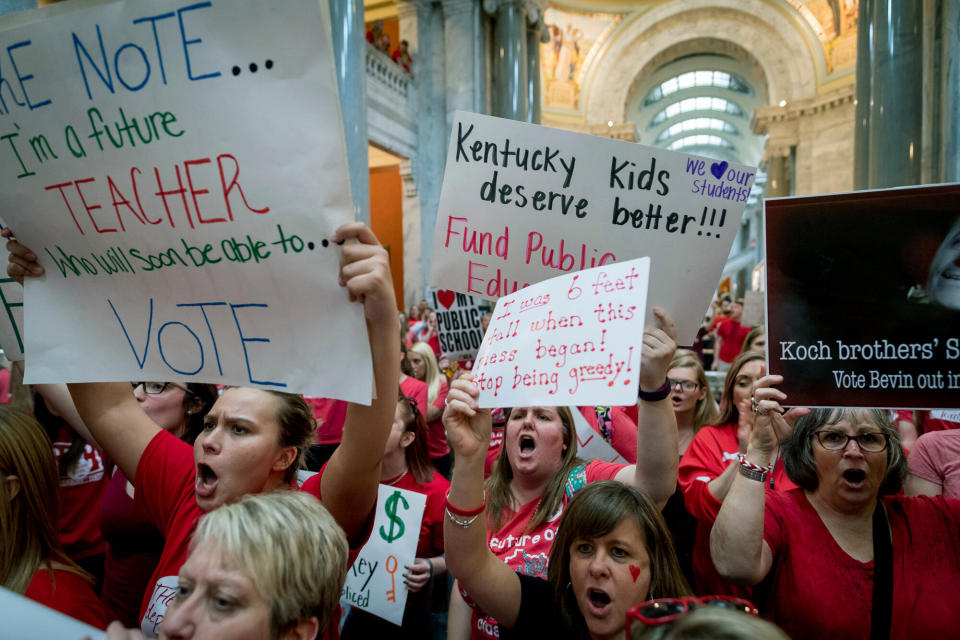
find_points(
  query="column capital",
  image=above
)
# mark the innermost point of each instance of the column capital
(457, 7)
(492, 6)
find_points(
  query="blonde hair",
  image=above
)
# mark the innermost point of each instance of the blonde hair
(290, 546)
(705, 411)
(432, 377)
(28, 522)
(499, 496)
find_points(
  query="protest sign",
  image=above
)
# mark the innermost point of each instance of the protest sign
(375, 579)
(590, 444)
(11, 311)
(863, 298)
(458, 322)
(752, 315)
(949, 416)
(571, 340)
(25, 619)
(521, 203)
(179, 170)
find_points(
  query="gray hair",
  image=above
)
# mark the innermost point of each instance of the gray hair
(797, 450)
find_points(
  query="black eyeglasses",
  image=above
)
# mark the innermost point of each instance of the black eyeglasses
(156, 388)
(685, 385)
(871, 441)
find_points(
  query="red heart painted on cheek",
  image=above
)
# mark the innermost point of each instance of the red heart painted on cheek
(635, 572)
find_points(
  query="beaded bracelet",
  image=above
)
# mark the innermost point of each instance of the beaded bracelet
(466, 513)
(465, 523)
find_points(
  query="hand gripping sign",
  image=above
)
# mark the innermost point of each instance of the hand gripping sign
(570, 340)
(375, 579)
(178, 170)
(522, 203)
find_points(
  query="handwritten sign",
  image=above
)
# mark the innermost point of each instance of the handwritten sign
(458, 323)
(590, 444)
(572, 340)
(375, 580)
(179, 169)
(863, 298)
(521, 203)
(11, 310)
(24, 619)
(949, 416)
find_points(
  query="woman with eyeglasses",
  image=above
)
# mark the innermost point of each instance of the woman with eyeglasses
(710, 464)
(406, 465)
(253, 439)
(845, 554)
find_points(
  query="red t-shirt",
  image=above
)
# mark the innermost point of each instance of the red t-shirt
(80, 493)
(818, 591)
(437, 445)
(528, 552)
(165, 488)
(69, 594)
(431, 529)
(4, 386)
(134, 545)
(929, 420)
(710, 453)
(330, 416)
(413, 388)
(732, 335)
(620, 427)
(496, 443)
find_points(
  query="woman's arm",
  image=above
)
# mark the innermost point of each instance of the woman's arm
(657, 450)
(459, 616)
(490, 582)
(350, 480)
(418, 574)
(57, 397)
(737, 547)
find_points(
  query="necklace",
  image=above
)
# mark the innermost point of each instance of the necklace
(400, 477)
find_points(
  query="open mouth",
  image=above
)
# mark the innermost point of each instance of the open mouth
(206, 482)
(527, 445)
(599, 600)
(855, 477)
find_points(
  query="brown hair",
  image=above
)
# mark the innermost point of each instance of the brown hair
(298, 428)
(416, 454)
(28, 522)
(705, 412)
(499, 496)
(199, 398)
(728, 410)
(595, 511)
(751, 337)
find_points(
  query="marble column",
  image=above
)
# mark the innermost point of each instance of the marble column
(349, 47)
(896, 94)
(462, 54)
(534, 32)
(950, 93)
(861, 126)
(510, 60)
(778, 178)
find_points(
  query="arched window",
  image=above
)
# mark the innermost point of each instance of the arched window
(705, 78)
(700, 140)
(701, 103)
(695, 124)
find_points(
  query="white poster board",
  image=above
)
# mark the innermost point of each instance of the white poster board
(375, 579)
(179, 170)
(570, 340)
(24, 619)
(950, 415)
(590, 444)
(458, 322)
(522, 203)
(753, 306)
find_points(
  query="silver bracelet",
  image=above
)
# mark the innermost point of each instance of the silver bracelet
(463, 522)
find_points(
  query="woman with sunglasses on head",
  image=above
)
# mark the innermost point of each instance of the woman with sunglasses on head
(538, 470)
(406, 465)
(710, 464)
(253, 440)
(610, 552)
(845, 554)
(706, 618)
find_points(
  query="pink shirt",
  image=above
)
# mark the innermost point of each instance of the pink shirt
(936, 458)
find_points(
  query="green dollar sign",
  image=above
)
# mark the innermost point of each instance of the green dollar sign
(395, 521)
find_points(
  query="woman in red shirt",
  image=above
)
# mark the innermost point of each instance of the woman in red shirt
(424, 366)
(32, 560)
(538, 470)
(406, 465)
(253, 439)
(845, 554)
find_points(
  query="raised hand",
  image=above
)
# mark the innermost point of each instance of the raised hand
(365, 272)
(772, 424)
(21, 261)
(659, 343)
(468, 426)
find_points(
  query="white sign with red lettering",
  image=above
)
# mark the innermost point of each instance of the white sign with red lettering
(570, 340)
(522, 203)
